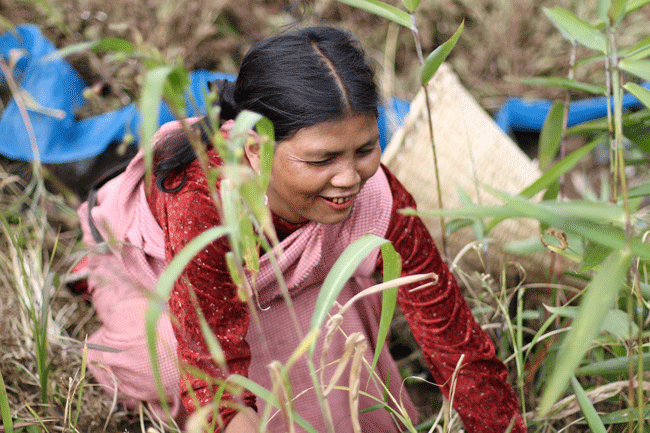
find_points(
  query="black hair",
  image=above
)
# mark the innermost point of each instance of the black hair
(296, 80)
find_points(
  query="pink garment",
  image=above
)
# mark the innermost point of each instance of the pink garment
(121, 274)
(309, 254)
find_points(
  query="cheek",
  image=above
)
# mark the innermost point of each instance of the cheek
(370, 166)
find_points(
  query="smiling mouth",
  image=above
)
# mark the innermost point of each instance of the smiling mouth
(339, 200)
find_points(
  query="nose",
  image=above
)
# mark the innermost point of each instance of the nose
(346, 176)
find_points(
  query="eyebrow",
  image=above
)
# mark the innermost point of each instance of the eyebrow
(330, 154)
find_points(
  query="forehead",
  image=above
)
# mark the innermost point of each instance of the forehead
(336, 134)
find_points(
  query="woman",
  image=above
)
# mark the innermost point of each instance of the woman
(327, 188)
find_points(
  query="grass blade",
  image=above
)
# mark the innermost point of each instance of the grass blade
(5, 411)
(588, 409)
(392, 269)
(598, 299)
(340, 273)
(618, 365)
(383, 10)
(267, 396)
(163, 289)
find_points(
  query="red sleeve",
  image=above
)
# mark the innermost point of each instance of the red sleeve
(445, 328)
(183, 216)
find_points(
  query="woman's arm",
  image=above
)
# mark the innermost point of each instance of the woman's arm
(204, 286)
(445, 328)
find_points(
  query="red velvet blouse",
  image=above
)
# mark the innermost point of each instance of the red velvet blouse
(440, 318)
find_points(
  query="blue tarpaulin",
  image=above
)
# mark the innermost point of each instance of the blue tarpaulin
(55, 85)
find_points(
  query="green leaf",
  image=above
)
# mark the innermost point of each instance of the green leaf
(640, 68)
(593, 256)
(477, 224)
(435, 59)
(381, 9)
(641, 93)
(392, 269)
(591, 416)
(615, 323)
(267, 396)
(603, 7)
(174, 90)
(573, 28)
(613, 366)
(164, 287)
(636, 128)
(152, 91)
(5, 410)
(633, 5)
(411, 5)
(638, 51)
(551, 135)
(617, 11)
(640, 190)
(105, 44)
(560, 168)
(565, 83)
(339, 275)
(113, 44)
(597, 301)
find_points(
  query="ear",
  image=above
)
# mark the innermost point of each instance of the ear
(252, 151)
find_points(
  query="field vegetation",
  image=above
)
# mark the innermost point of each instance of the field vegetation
(575, 342)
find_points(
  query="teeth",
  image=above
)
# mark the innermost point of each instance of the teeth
(340, 200)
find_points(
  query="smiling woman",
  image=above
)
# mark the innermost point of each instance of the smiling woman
(327, 189)
(319, 171)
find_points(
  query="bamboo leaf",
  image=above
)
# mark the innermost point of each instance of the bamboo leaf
(573, 28)
(551, 135)
(638, 51)
(565, 83)
(411, 5)
(616, 11)
(588, 409)
(613, 366)
(557, 170)
(598, 299)
(435, 59)
(640, 68)
(641, 93)
(381, 9)
(633, 5)
(593, 255)
(340, 273)
(392, 269)
(640, 191)
(615, 323)
(603, 7)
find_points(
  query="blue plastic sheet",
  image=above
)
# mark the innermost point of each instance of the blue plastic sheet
(519, 115)
(54, 84)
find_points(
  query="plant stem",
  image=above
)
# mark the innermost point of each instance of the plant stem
(418, 48)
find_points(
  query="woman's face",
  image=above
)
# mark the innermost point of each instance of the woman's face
(318, 173)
